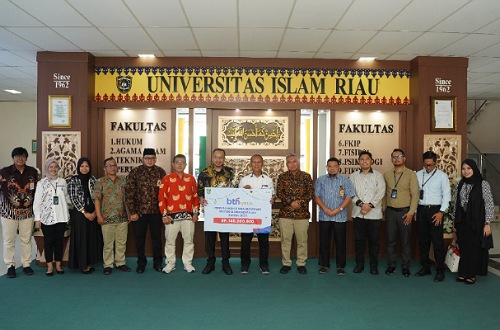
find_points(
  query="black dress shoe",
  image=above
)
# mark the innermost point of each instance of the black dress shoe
(140, 269)
(11, 272)
(390, 270)
(28, 270)
(208, 269)
(302, 270)
(158, 268)
(374, 271)
(424, 271)
(227, 269)
(285, 269)
(406, 272)
(439, 276)
(358, 269)
(124, 268)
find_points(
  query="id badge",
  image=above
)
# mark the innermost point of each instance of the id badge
(421, 194)
(56, 200)
(32, 185)
(394, 193)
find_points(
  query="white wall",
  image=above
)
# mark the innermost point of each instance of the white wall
(17, 129)
(483, 131)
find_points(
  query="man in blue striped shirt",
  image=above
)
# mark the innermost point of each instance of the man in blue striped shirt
(332, 192)
(434, 200)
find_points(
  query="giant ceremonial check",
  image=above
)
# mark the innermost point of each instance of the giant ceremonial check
(238, 210)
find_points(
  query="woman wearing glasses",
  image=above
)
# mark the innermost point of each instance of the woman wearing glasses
(50, 207)
(86, 237)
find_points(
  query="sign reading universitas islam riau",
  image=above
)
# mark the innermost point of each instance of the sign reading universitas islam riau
(259, 85)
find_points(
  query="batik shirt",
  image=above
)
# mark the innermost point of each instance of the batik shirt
(291, 188)
(141, 190)
(209, 177)
(111, 194)
(178, 196)
(17, 192)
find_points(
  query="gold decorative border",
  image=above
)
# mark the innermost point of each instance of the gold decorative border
(60, 111)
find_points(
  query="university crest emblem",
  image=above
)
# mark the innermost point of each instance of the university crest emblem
(124, 83)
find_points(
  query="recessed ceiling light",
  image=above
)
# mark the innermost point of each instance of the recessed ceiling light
(12, 91)
(147, 55)
(367, 59)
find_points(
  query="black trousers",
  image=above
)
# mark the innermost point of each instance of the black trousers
(427, 233)
(326, 228)
(396, 226)
(140, 227)
(210, 239)
(53, 236)
(367, 230)
(246, 242)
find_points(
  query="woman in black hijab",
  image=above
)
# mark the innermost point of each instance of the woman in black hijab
(86, 236)
(474, 209)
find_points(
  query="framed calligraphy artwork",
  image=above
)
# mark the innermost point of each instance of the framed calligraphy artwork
(257, 132)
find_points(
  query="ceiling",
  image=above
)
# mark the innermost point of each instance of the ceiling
(315, 29)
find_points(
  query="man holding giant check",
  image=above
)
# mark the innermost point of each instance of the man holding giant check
(262, 185)
(215, 175)
(247, 211)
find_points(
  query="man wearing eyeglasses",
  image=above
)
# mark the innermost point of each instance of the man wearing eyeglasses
(401, 199)
(17, 191)
(109, 200)
(434, 199)
(141, 193)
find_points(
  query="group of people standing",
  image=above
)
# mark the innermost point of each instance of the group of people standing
(103, 208)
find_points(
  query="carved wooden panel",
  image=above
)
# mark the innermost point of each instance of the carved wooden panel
(448, 149)
(63, 146)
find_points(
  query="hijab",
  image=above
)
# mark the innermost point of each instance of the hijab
(84, 179)
(475, 213)
(47, 164)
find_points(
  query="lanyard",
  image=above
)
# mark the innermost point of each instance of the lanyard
(398, 179)
(423, 183)
(54, 186)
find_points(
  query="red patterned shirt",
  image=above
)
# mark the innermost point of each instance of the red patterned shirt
(178, 194)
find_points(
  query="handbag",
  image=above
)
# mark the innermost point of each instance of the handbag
(452, 257)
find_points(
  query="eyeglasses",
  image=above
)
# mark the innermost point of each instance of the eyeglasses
(429, 165)
(54, 167)
(397, 157)
(149, 158)
(111, 165)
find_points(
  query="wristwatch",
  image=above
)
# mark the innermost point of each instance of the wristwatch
(341, 209)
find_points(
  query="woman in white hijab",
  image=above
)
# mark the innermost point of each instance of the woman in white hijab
(51, 214)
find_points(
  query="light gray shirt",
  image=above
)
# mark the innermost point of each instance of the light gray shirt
(369, 188)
